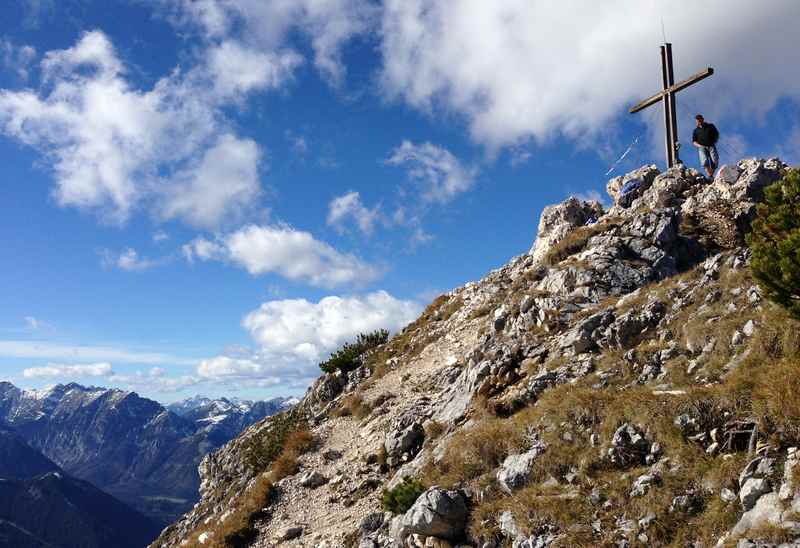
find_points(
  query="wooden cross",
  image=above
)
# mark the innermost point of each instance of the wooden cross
(667, 97)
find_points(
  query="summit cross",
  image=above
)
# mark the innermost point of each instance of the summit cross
(667, 97)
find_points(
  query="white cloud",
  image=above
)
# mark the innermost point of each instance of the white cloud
(84, 353)
(102, 369)
(293, 335)
(265, 26)
(282, 250)
(155, 380)
(169, 149)
(517, 70)
(308, 330)
(17, 58)
(204, 250)
(128, 260)
(350, 207)
(236, 69)
(439, 173)
(160, 236)
(222, 186)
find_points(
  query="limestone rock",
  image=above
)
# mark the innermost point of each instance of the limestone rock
(642, 484)
(558, 220)
(629, 447)
(437, 513)
(290, 533)
(400, 441)
(727, 174)
(644, 176)
(751, 490)
(516, 469)
(312, 479)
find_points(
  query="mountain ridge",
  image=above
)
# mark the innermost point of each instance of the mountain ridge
(132, 447)
(42, 506)
(624, 383)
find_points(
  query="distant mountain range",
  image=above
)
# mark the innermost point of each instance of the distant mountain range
(223, 419)
(41, 506)
(131, 447)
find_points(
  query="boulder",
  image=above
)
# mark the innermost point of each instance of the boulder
(727, 495)
(584, 336)
(759, 467)
(644, 176)
(402, 441)
(398, 531)
(727, 174)
(437, 513)
(690, 503)
(324, 390)
(642, 484)
(629, 447)
(500, 318)
(516, 469)
(752, 490)
(508, 525)
(289, 533)
(312, 479)
(371, 523)
(629, 328)
(558, 220)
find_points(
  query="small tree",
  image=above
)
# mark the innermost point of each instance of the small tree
(402, 497)
(348, 357)
(775, 242)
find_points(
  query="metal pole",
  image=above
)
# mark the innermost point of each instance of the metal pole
(667, 116)
(672, 108)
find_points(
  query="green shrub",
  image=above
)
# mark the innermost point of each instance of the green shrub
(348, 357)
(402, 497)
(775, 241)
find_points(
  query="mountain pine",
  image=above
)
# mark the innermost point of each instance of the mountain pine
(775, 241)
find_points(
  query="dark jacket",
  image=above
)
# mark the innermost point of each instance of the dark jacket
(706, 135)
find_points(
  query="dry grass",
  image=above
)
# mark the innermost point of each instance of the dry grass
(296, 444)
(576, 240)
(767, 534)
(238, 529)
(764, 387)
(533, 508)
(433, 430)
(355, 406)
(413, 339)
(475, 451)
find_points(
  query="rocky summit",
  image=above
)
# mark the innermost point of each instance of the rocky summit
(624, 383)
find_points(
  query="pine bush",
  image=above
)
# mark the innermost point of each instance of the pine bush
(348, 357)
(775, 242)
(402, 497)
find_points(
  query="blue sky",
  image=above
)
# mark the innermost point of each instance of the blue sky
(210, 196)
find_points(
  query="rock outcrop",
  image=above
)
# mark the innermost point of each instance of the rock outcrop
(569, 397)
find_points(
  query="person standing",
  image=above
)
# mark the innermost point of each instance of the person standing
(705, 137)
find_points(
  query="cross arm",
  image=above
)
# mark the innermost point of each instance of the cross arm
(672, 89)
